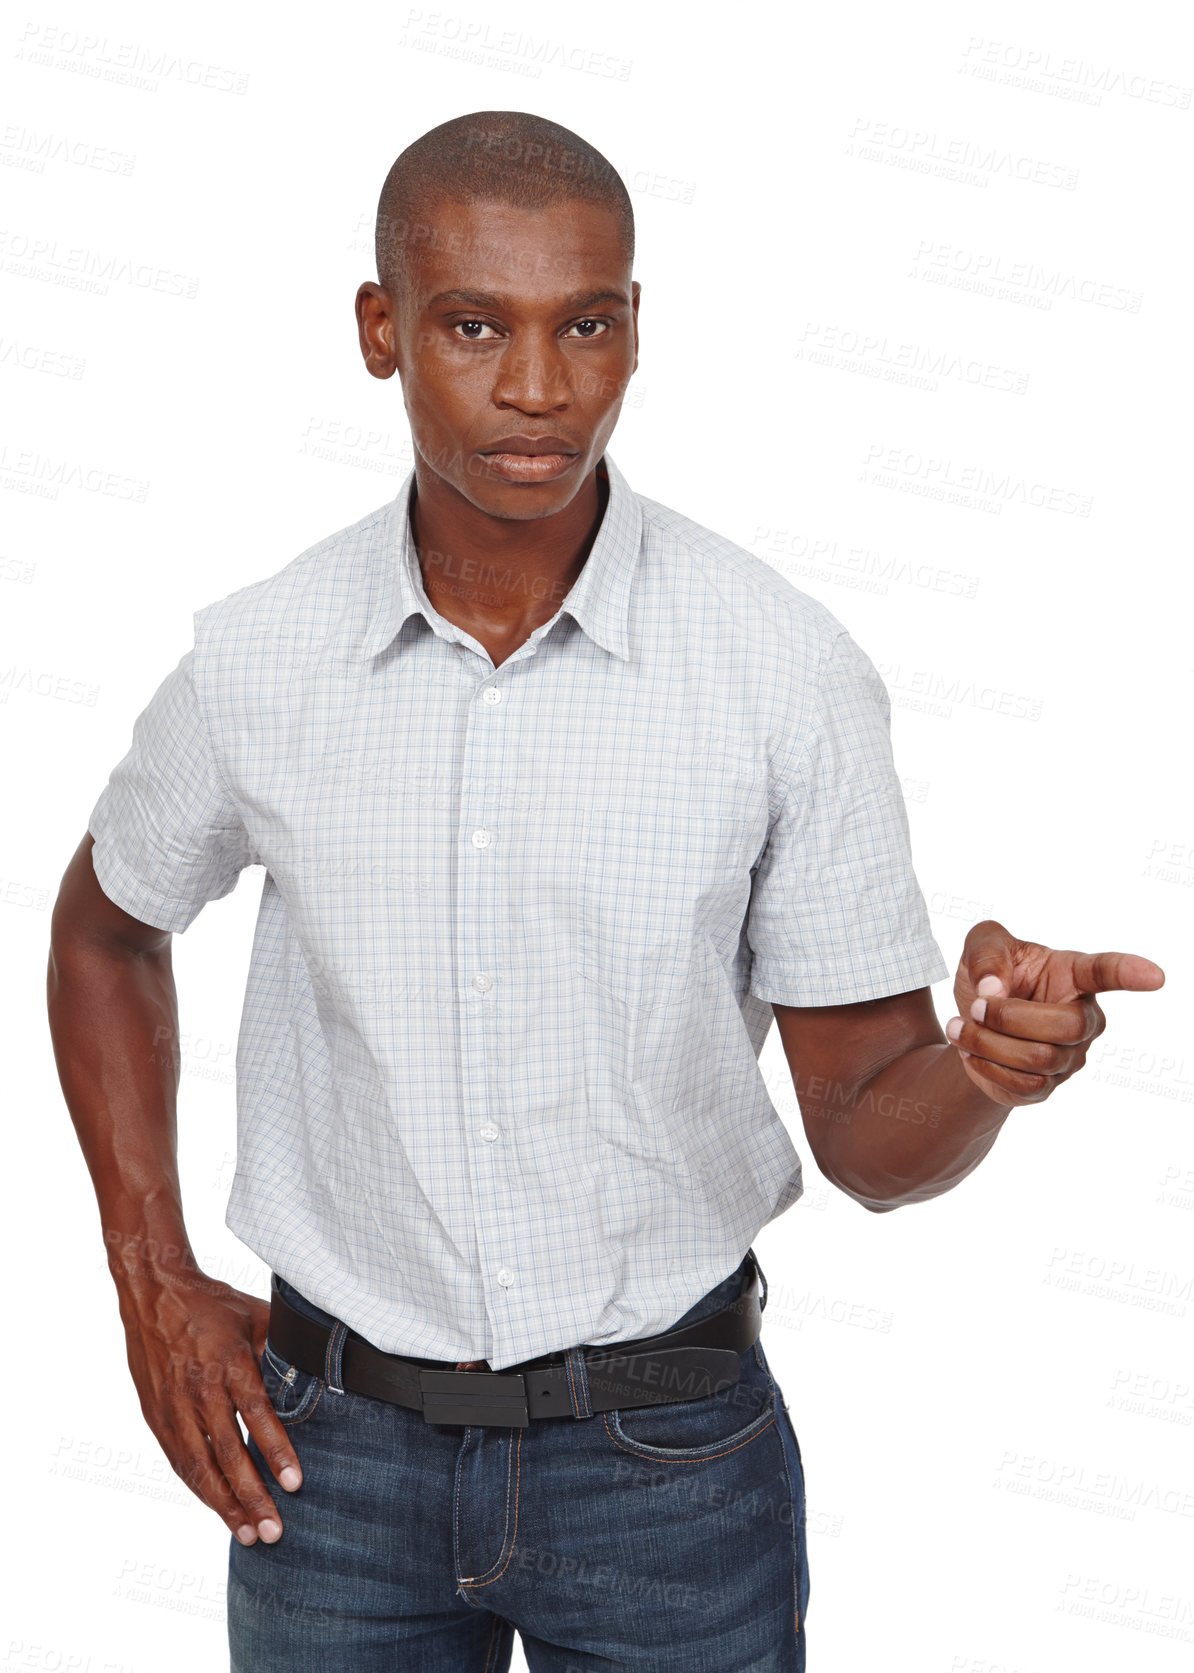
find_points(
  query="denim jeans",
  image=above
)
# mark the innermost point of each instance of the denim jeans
(664, 1539)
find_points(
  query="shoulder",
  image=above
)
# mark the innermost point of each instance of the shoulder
(743, 589)
(312, 600)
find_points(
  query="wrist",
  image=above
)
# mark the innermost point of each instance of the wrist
(143, 1259)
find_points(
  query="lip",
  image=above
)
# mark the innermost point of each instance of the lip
(530, 458)
(531, 445)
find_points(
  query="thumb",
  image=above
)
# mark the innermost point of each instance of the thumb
(989, 957)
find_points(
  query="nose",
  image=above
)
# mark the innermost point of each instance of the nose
(534, 377)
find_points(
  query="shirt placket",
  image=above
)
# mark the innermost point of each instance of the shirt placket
(486, 840)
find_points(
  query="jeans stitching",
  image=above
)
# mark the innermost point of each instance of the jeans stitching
(303, 1412)
(493, 1647)
(456, 1507)
(472, 1579)
(698, 1454)
(686, 1455)
(514, 1531)
(280, 1365)
(795, 1535)
(332, 1374)
(581, 1402)
(310, 1399)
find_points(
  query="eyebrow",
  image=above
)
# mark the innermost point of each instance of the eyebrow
(486, 299)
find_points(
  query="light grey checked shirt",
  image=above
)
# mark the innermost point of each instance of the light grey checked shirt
(498, 1089)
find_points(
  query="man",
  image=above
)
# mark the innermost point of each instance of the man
(560, 798)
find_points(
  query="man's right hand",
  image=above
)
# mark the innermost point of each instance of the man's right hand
(194, 1349)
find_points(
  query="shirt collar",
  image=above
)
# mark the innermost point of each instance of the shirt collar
(599, 599)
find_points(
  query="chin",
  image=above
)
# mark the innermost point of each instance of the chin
(525, 505)
(519, 501)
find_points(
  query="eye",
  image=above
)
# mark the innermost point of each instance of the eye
(588, 328)
(472, 329)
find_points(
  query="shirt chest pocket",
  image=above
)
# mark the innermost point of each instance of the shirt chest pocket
(656, 885)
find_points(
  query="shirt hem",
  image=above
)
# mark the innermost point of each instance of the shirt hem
(134, 896)
(804, 986)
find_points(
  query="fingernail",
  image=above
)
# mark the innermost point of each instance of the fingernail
(953, 1027)
(269, 1530)
(246, 1535)
(978, 1010)
(290, 1478)
(990, 985)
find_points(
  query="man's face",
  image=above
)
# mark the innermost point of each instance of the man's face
(514, 337)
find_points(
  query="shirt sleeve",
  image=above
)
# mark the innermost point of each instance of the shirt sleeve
(836, 914)
(168, 837)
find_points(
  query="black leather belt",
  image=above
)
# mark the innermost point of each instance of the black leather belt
(687, 1363)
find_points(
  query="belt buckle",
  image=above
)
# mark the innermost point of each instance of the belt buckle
(474, 1397)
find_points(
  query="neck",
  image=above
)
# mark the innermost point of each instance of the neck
(508, 572)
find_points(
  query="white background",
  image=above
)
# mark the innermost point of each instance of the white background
(994, 1391)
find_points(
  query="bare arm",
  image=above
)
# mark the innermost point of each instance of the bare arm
(891, 1116)
(194, 1343)
(898, 1112)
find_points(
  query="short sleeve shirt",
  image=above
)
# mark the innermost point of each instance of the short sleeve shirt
(521, 928)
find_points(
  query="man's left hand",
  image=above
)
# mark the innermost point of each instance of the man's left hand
(1027, 1014)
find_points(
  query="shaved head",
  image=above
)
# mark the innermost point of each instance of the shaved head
(497, 156)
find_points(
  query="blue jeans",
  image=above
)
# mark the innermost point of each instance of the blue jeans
(664, 1539)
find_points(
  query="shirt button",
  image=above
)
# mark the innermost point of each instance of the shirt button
(482, 982)
(492, 694)
(489, 1132)
(505, 1276)
(481, 838)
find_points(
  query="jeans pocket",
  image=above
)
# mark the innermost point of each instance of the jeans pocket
(700, 1429)
(292, 1391)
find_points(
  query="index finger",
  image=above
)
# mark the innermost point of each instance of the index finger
(1123, 972)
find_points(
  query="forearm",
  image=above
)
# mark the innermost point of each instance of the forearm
(113, 1017)
(910, 1132)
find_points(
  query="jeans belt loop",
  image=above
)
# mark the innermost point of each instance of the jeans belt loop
(332, 1365)
(578, 1382)
(762, 1280)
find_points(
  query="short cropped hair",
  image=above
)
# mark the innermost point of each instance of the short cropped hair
(501, 156)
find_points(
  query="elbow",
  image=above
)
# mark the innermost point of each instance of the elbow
(876, 1190)
(868, 1198)
(880, 1205)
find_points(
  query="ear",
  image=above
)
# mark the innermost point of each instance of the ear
(375, 329)
(635, 291)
